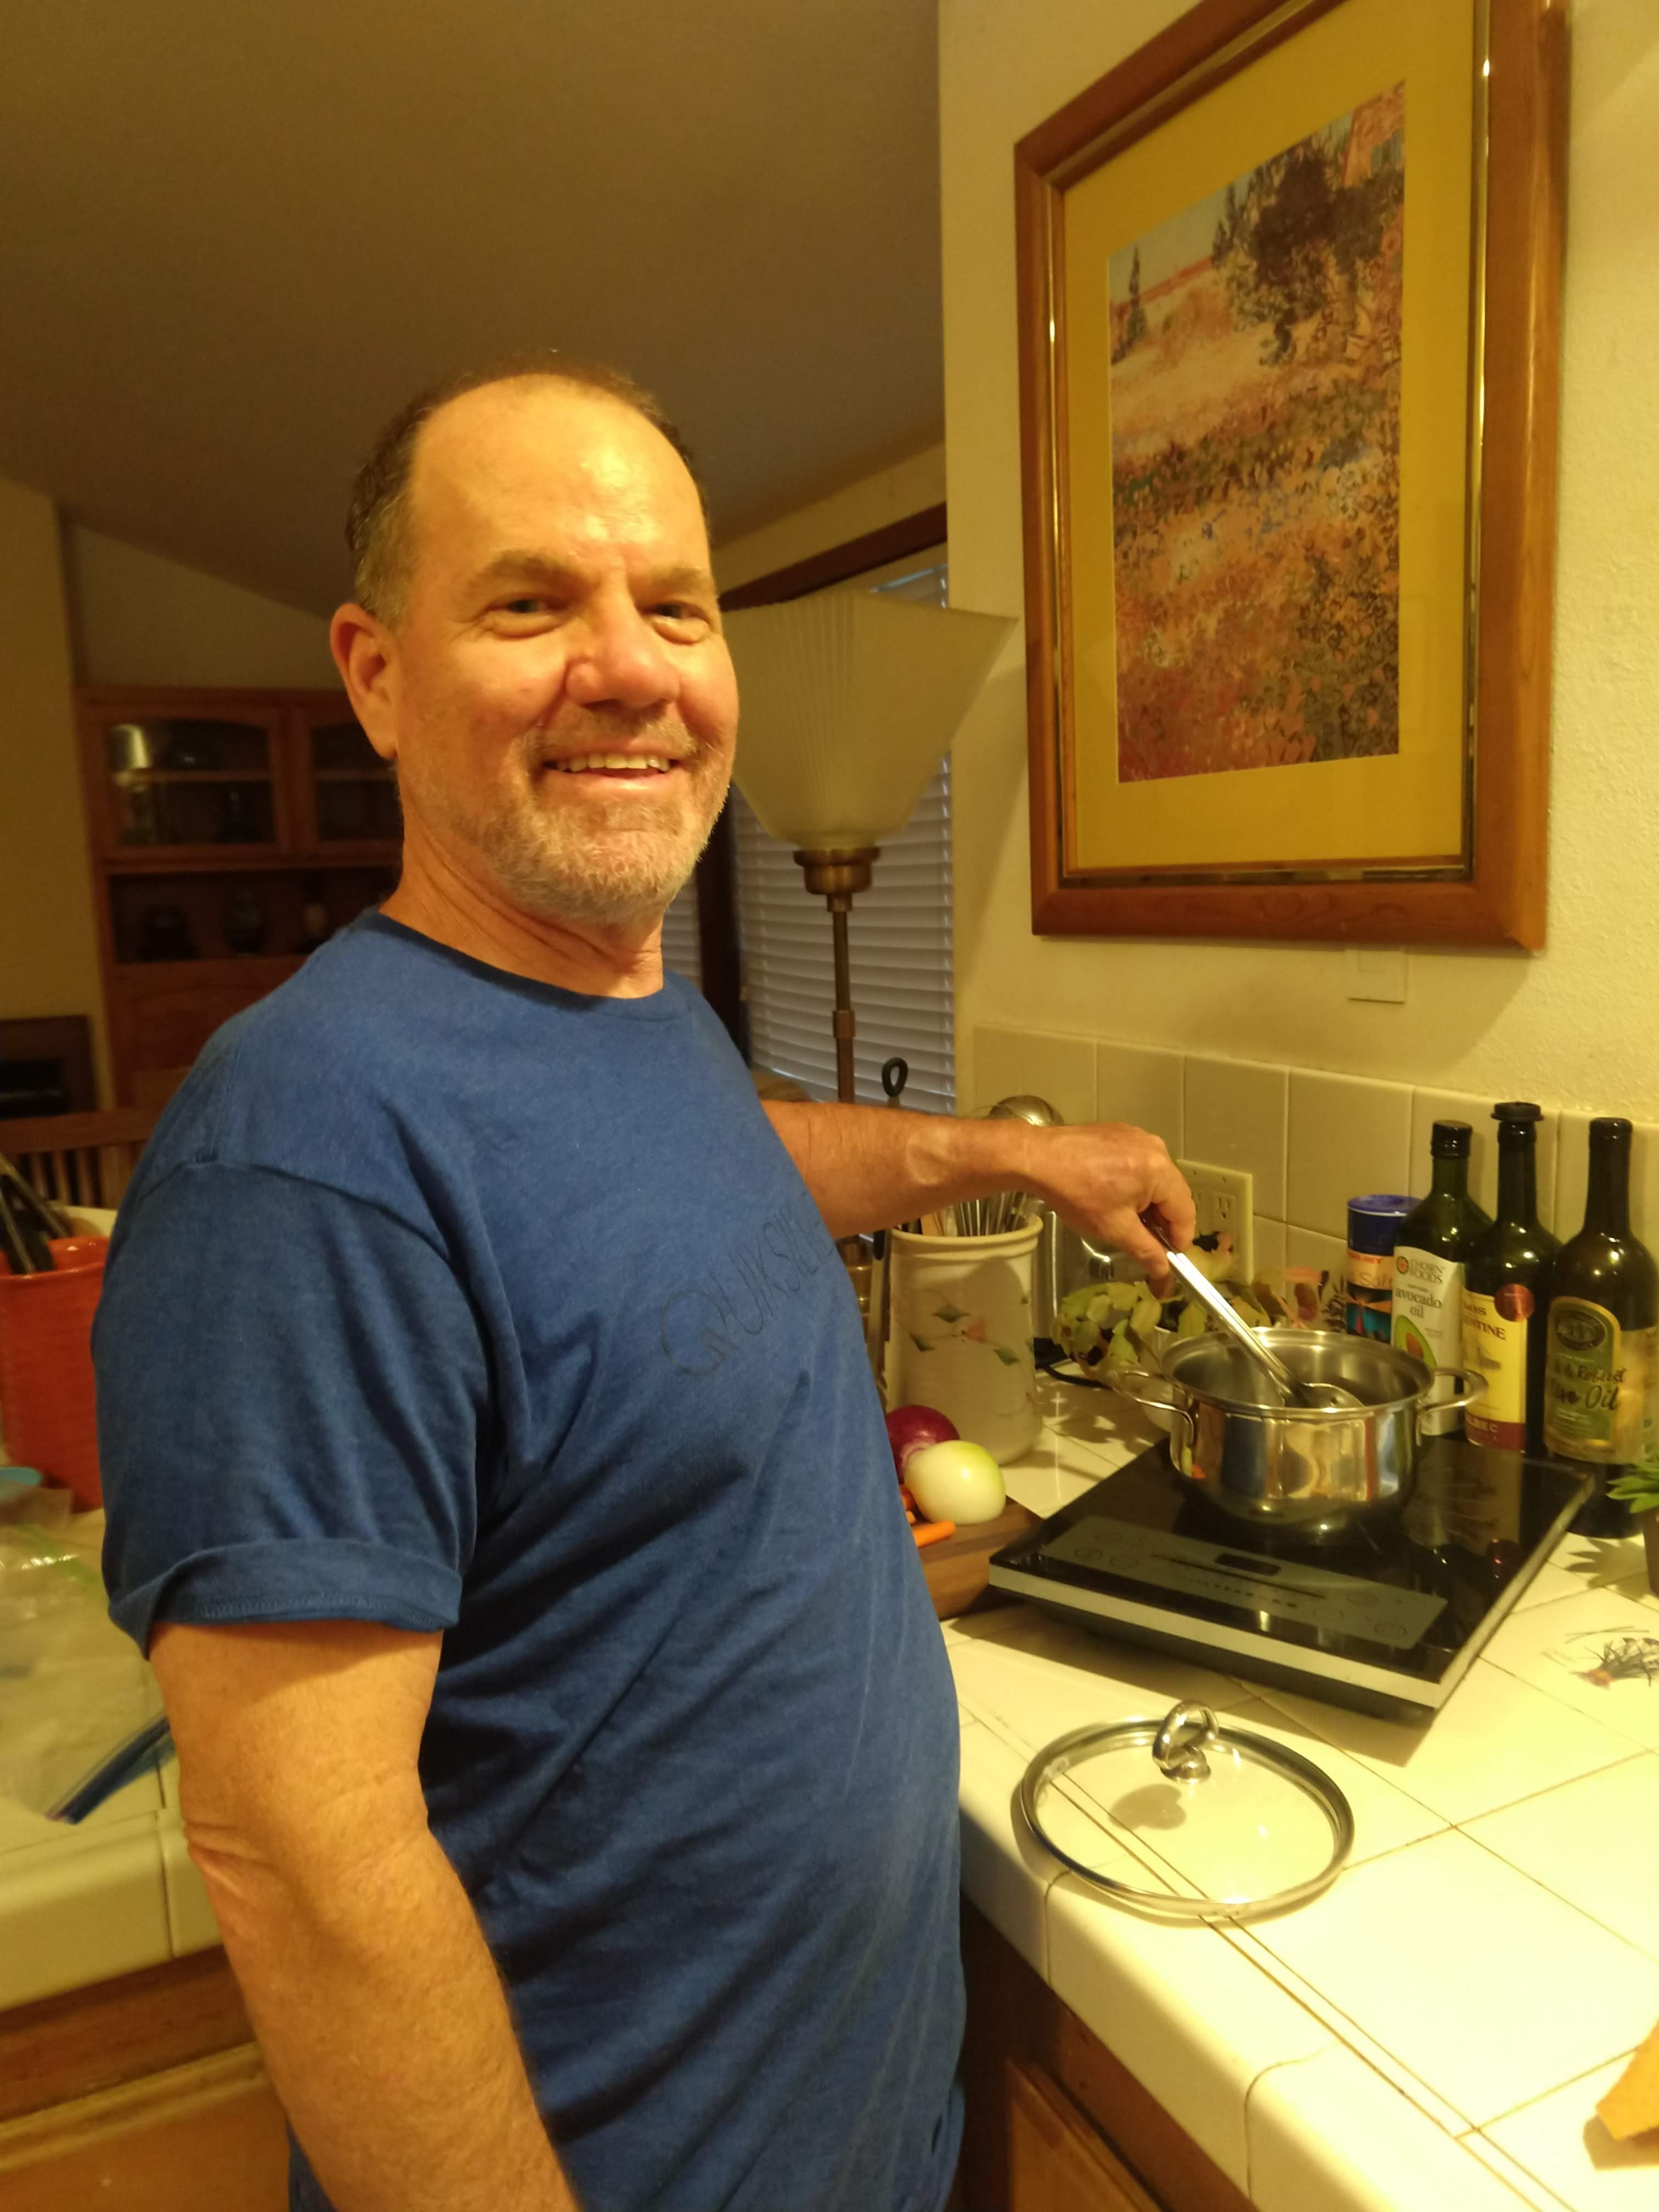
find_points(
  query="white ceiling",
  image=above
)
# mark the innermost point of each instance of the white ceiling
(234, 237)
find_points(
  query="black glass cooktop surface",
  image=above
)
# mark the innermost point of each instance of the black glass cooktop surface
(1385, 1614)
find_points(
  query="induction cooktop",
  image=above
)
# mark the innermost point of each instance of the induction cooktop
(1386, 1615)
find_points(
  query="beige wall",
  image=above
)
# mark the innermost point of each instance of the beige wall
(868, 504)
(1578, 1024)
(138, 618)
(48, 947)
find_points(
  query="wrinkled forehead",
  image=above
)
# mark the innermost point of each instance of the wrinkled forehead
(543, 464)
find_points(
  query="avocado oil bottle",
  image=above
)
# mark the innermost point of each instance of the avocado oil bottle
(1433, 1246)
(1507, 1279)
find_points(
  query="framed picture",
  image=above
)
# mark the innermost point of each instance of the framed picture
(1289, 311)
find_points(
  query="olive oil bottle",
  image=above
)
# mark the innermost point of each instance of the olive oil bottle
(1435, 1241)
(1507, 1279)
(1603, 1327)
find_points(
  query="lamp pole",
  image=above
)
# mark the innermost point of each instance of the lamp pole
(837, 876)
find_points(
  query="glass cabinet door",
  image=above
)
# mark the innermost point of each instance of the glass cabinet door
(187, 779)
(354, 793)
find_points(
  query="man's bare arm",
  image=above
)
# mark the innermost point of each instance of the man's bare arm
(372, 1991)
(868, 1167)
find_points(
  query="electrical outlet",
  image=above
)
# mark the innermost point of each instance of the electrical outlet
(1225, 1199)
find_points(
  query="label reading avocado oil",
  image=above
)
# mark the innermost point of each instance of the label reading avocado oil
(1428, 1322)
(1598, 1385)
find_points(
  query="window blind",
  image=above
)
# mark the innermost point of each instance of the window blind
(898, 941)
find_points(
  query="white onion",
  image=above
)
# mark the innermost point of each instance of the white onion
(958, 1482)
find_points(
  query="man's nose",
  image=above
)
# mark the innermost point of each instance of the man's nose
(619, 659)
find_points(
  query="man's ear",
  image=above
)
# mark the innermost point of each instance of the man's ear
(365, 653)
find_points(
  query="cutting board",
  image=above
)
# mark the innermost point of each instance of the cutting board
(958, 1569)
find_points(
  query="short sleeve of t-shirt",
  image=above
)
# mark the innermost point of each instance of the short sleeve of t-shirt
(302, 1389)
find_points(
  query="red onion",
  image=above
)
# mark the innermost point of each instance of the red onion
(911, 1428)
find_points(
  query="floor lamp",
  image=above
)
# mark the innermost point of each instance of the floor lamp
(848, 700)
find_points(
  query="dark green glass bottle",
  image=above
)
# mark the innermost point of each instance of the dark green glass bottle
(1435, 1239)
(1507, 1281)
(1603, 1325)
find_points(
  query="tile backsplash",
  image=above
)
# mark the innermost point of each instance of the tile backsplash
(1311, 1139)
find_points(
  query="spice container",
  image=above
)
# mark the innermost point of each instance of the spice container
(1373, 1223)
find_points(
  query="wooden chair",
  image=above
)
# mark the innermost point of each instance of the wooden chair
(79, 1159)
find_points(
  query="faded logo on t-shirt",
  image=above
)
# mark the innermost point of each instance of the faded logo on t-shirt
(704, 1322)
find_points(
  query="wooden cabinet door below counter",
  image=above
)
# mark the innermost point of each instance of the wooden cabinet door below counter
(1056, 2162)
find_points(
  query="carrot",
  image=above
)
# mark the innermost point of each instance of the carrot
(932, 1532)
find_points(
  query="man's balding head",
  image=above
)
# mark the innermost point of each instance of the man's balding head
(380, 523)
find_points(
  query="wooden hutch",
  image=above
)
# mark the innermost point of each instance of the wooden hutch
(230, 831)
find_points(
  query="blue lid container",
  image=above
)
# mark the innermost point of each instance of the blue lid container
(1374, 1222)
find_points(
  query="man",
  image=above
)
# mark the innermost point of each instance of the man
(494, 1472)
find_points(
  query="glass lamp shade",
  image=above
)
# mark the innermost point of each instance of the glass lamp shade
(847, 701)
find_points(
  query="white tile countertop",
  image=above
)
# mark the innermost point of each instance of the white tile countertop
(81, 1904)
(1430, 2035)
(1434, 2031)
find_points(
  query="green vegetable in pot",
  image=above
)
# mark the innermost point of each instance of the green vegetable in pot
(1114, 1325)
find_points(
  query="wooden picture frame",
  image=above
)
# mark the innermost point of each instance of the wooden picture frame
(1485, 884)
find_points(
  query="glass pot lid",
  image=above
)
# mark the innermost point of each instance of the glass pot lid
(1232, 1825)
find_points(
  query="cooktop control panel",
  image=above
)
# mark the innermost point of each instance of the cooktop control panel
(1279, 1589)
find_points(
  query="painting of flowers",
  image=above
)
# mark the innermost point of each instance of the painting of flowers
(1256, 381)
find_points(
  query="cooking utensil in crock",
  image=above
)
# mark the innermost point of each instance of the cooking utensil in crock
(997, 1216)
(1306, 1471)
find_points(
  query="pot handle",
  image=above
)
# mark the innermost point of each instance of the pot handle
(1145, 1387)
(1466, 1388)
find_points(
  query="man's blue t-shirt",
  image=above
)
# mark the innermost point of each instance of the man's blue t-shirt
(453, 1301)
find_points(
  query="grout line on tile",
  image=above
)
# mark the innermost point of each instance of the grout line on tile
(1378, 1768)
(1394, 2070)
(1497, 2119)
(1636, 1752)
(1273, 2066)
(1510, 2171)
(1127, 1838)
(1464, 1827)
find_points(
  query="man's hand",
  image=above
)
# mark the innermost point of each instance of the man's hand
(868, 1167)
(373, 1993)
(1107, 1179)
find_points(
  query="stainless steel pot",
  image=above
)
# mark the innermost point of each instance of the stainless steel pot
(1287, 1466)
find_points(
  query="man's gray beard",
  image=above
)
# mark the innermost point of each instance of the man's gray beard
(549, 871)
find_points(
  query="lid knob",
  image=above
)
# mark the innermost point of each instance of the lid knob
(1178, 1746)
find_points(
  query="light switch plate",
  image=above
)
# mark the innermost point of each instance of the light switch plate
(1225, 1199)
(1375, 971)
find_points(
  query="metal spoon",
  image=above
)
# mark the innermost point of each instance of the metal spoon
(1024, 1108)
(1009, 1210)
(1320, 1396)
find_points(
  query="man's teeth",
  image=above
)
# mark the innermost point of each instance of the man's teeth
(636, 763)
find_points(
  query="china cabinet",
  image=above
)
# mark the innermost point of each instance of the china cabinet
(231, 832)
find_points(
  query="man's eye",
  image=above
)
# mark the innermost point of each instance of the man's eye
(524, 606)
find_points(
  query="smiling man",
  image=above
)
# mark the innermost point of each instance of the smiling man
(492, 1468)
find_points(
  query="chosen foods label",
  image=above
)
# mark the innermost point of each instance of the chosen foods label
(1495, 1332)
(1428, 1322)
(1598, 1385)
